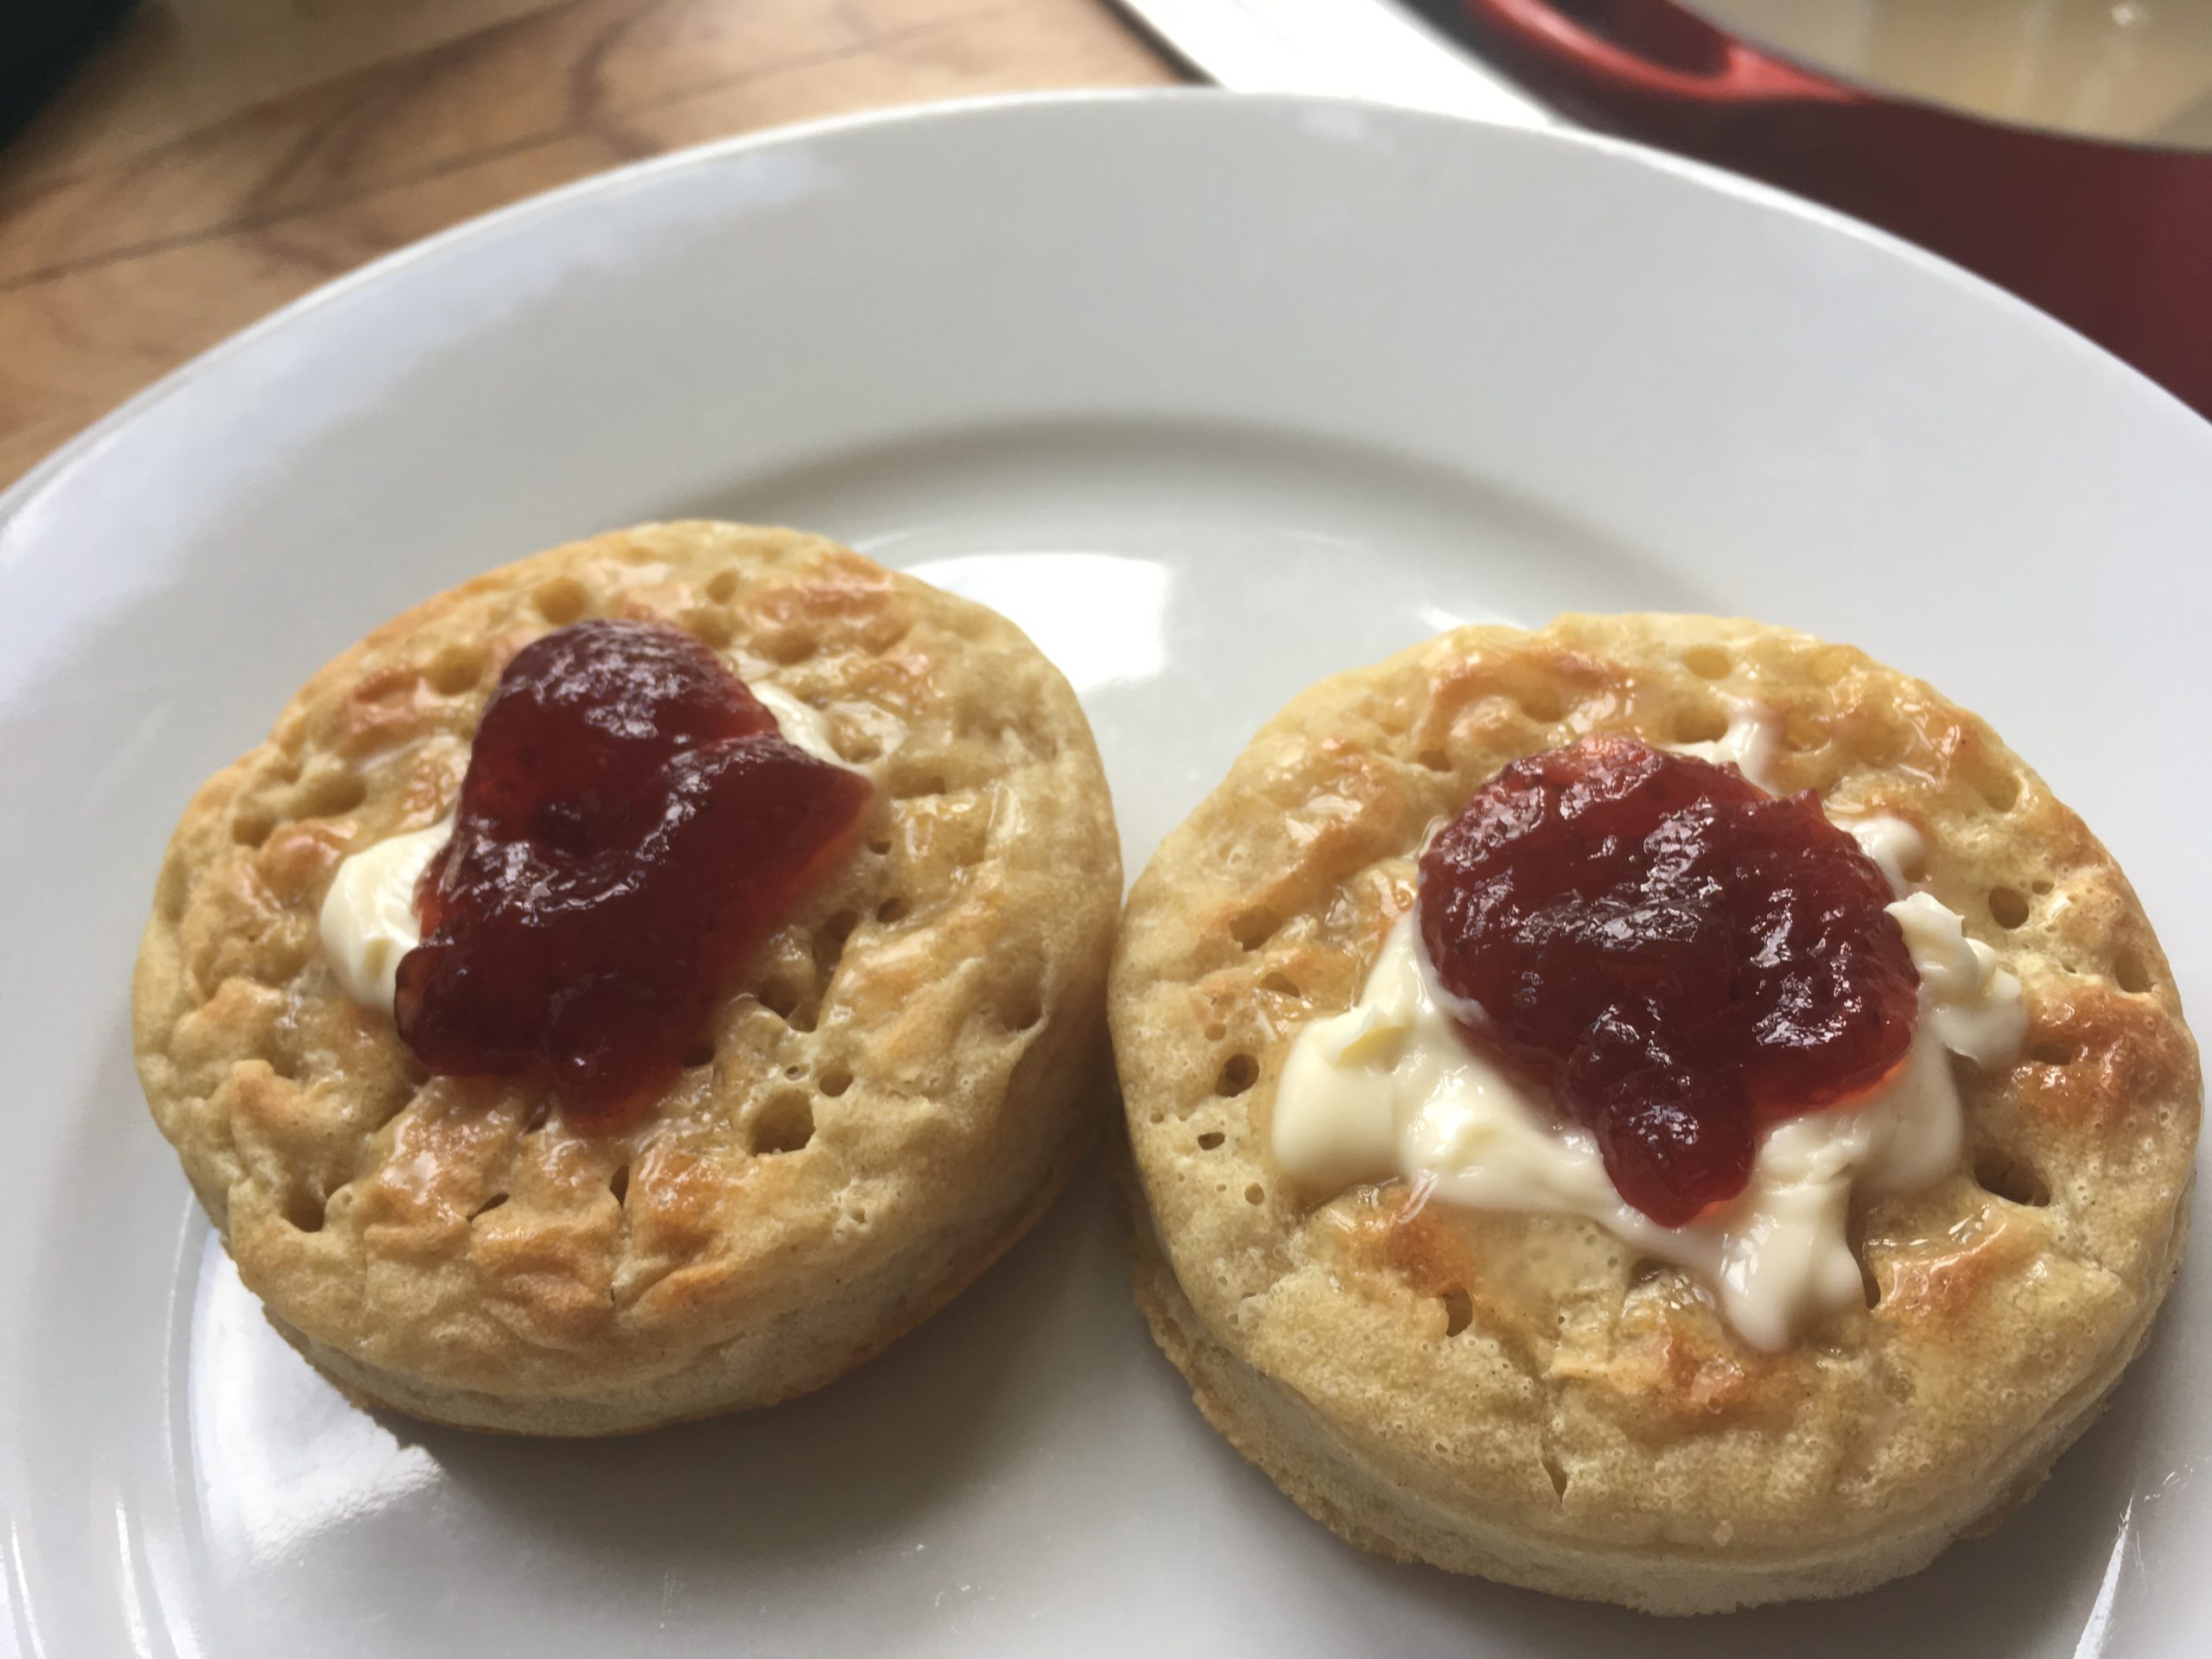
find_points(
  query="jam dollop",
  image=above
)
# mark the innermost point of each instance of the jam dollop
(1678, 956)
(632, 826)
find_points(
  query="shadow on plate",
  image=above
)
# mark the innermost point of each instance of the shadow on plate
(838, 1471)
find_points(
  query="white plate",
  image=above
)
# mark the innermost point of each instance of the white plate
(1214, 396)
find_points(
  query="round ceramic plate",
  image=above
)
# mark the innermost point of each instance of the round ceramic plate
(1213, 396)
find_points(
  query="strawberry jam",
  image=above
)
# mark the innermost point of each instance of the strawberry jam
(632, 825)
(1678, 956)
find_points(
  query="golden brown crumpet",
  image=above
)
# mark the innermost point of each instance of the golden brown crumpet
(902, 1079)
(1524, 1396)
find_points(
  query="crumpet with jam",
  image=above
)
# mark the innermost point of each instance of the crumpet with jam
(1657, 1109)
(641, 983)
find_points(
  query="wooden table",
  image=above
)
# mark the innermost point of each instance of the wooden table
(219, 157)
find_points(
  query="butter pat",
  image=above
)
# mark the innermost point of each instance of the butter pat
(368, 916)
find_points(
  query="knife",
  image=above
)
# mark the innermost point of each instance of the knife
(1357, 48)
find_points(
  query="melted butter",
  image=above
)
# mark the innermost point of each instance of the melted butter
(803, 726)
(1751, 744)
(1975, 1007)
(368, 920)
(1391, 1088)
(1894, 845)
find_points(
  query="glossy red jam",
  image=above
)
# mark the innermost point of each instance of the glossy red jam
(1679, 957)
(632, 826)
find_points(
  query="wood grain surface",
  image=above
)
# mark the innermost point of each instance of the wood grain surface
(219, 157)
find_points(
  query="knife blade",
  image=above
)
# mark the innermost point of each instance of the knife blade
(1355, 48)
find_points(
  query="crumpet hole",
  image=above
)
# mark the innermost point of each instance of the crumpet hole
(1542, 705)
(618, 1184)
(1556, 1472)
(830, 947)
(1254, 928)
(2001, 788)
(779, 999)
(488, 1206)
(1802, 731)
(328, 794)
(785, 1124)
(1704, 725)
(457, 669)
(1209, 1140)
(1019, 1006)
(836, 1081)
(2128, 971)
(1280, 984)
(711, 627)
(890, 909)
(2054, 1052)
(1255, 1193)
(2007, 907)
(305, 1212)
(1881, 744)
(2001, 1175)
(1436, 761)
(1240, 1073)
(1707, 662)
(560, 600)
(1459, 1310)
